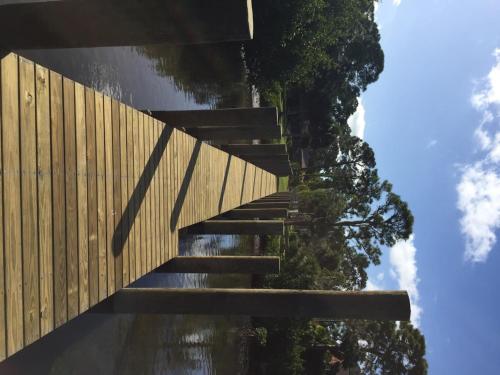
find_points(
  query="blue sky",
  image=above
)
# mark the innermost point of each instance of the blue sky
(433, 119)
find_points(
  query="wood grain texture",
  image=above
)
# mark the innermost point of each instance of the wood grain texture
(88, 192)
(29, 200)
(71, 196)
(3, 338)
(58, 200)
(12, 204)
(130, 189)
(116, 247)
(123, 157)
(136, 187)
(82, 192)
(101, 196)
(90, 122)
(108, 186)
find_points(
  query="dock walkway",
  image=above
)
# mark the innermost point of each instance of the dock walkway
(92, 196)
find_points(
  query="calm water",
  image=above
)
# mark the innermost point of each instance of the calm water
(159, 77)
(149, 344)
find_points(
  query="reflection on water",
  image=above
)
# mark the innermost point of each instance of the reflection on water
(213, 74)
(156, 77)
(149, 344)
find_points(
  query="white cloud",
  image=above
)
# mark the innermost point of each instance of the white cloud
(396, 2)
(479, 187)
(404, 270)
(479, 201)
(357, 121)
(372, 286)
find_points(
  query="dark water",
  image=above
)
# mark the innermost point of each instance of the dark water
(158, 77)
(149, 344)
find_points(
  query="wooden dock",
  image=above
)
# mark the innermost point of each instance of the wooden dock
(92, 196)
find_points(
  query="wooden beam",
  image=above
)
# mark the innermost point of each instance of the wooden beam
(263, 159)
(260, 204)
(256, 213)
(101, 23)
(237, 227)
(222, 264)
(232, 133)
(246, 117)
(255, 150)
(335, 305)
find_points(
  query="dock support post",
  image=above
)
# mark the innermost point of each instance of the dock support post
(261, 204)
(258, 265)
(103, 23)
(275, 227)
(256, 213)
(335, 305)
(246, 117)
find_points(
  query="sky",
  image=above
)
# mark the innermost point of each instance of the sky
(433, 119)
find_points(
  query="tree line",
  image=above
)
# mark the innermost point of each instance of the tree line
(314, 58)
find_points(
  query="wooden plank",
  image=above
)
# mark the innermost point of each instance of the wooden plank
(124, 191)
(144, 239)
(12, 204)
(161, 196)
(130, 188)
(71, 197)
(117, 252)
(156, 198)
(3, 341)
(90, 122)
(81, 184)
(138, 221)
(58, 200)
(149, 195)
(108, 152)
(169, 195)
(101, 196)
(44, 199)
(29, 201)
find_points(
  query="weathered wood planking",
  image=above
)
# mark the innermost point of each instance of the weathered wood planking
(44, 200)
(93, 194)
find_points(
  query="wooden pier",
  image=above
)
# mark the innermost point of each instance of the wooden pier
(92, 196)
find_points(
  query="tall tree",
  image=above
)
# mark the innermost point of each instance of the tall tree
(381, 347)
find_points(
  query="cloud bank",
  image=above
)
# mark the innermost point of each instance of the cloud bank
(479, 186)
(404, 269)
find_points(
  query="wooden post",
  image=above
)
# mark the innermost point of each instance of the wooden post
(231, 133)
(245, 117)
(335, 305)
(274, 199)
(266, 158)
(222, 264)
(256, 213)
(237, 227)
(100, 23)
(267, 205)
(255, 150)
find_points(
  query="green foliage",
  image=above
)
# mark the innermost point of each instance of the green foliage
(381, 347)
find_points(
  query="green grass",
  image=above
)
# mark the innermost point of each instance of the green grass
(283, 183)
